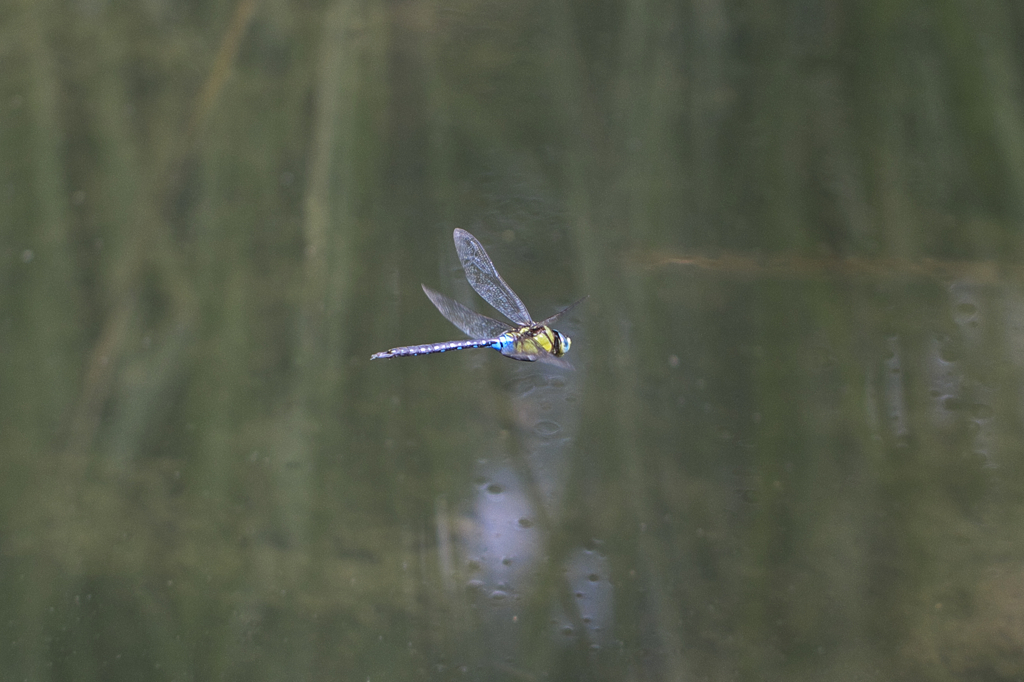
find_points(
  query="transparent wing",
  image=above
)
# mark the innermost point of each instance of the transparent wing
(469, 321)
(542, 356)
(486, 281)
(548, 322)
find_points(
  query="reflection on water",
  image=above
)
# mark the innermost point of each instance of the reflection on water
(792, 446)
(588, 573)
(508, 548)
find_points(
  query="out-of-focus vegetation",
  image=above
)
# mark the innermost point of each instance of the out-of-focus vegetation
(794, 434)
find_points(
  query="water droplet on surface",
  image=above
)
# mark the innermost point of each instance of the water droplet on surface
(952, 403)
(966, 310)
(546, 428)
(982, 411)
(948, 353)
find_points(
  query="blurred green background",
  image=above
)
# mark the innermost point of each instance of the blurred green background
(792, 445)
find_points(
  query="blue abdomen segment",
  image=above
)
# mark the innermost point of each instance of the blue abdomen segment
(505, 344)
(428, 348)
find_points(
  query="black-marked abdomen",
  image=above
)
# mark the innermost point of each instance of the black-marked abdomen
(428, 348)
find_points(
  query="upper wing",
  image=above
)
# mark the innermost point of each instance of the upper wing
(486, 281)
(469, 321)
(548, 322)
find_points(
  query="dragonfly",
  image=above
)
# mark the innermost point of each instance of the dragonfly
(523, 340)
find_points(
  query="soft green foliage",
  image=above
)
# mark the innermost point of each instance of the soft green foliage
(794, 430)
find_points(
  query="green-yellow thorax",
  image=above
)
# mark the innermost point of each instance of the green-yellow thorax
(532, 341)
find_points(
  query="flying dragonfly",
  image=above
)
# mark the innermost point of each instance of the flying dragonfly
(524, 340)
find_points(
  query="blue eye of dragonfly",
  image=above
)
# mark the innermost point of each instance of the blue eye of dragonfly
(523, 340)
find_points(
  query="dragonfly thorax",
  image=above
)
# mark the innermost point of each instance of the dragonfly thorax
(529, 342)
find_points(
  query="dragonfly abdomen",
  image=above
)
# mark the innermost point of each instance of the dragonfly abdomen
(428, 348)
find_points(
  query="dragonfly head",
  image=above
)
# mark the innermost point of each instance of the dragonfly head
(563, 342)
